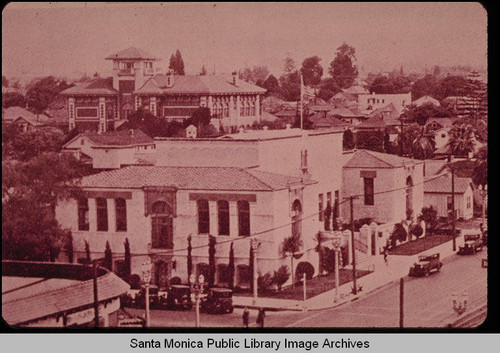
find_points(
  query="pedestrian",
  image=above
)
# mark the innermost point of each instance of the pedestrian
(260, 317)
(246, 317)
(386, 252)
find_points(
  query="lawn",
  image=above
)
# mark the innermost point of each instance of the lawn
(419, 245)
(315, 286)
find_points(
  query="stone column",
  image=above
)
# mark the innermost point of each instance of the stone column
(71, 113)
(102, 115)
(152, 105)
(214, 224)
(257, 107)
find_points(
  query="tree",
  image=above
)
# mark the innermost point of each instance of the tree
(390, 85)
(108, 257)
(43, 92)
(311, 71)
(23, 146)
(13, 99)
(451, 86)
(127, 263)
(254, 74)
(177, 63)
(425, 86)
(200, 118)
(320, 238)
(335, 212)
(416, 230)
(370, 140)
(290, 81)
(327, 214)
(348, 140)
(429, 216)
(328, 88)
(211, 260)
(189, 258)
(230, 267)
(462, 140)
(272, 86)
(399, 232)
(87, 252)
(343, 68)
(5, 81)
(291, 245)
(281, 276)
(480, 174)
(264, 282)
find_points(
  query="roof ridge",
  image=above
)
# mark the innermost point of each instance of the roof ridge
(376, 157)
(255, 177)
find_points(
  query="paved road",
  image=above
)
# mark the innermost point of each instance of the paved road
(427, 303)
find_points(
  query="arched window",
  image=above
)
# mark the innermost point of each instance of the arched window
(243, 218)
(161, 226)
(102, 214)
(203, 217)
(223, 212)
(121, 215)
(83, 214)
(296, 218)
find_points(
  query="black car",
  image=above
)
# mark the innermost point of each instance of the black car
(425, 265)
(218, 301)
(178, 298)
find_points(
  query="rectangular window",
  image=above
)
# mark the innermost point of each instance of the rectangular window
(83, 214)
(337, 202)
(320, 207)
(102, 214)
(449, 204)
(242, 111)
(223, 211)
(369, 199)
(468, 202)
(329, 198)
(243, 218)
(203, 217)
(86, 113)
(121, 215)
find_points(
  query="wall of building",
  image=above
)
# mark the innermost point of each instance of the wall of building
(381, 100)
(440, 203)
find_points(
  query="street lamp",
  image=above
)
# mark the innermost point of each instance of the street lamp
(254, 243)
(336, 248)
(460, 302)
(197, 288)
(483, 190)
(146, 275)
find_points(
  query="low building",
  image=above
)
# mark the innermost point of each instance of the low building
(369, 102)
(437, 193)
(385, 187)
(41, 294)
(426, 100)
(26, 119)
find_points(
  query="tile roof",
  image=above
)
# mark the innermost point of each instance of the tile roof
(98, 86)
(56, 295)
(442, 184)
(132, 53)
(426, 100)
(197, 85)
(190, 178)
(375, 122)
(119, 137)
(434, 166)
(372, 159)
(320, 120)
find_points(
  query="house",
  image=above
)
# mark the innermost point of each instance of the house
(369, 102)
(263, 184)
(100, 103)
(321, 121)
(426, 100)
(113, 149)
(44, 294)
(26, 119)
(437, 193)
(385, 187)
(441, 137)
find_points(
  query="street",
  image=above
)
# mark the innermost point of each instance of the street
(427, 303)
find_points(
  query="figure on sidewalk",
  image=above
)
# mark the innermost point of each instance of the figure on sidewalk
(260, 317)
(246, 317)
(386, 252)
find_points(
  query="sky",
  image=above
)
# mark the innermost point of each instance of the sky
(71, 38)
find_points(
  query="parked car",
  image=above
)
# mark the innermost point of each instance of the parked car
(472, 244)
(218, 301)
(154, 301)
(425, 265)
(178, 298)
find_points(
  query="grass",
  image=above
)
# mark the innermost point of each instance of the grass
(315, 286)
(421, 244)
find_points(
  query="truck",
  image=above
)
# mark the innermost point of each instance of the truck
(472, 244)
(425, 265)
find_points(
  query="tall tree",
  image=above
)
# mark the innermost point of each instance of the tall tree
(312, 70)
(230, 267)
(87, 252)
(5, 81)
(320, 238)
(127, 263)
(108, 257)
(462, 140)
(480, 174)
(255, 74)
(272, 86)
(328, 88)
(343, 68)
(11, 99)
(290, 81)
(425, 86)
(250, 267)
(189, 258)
(211, 260)
(177, 63)
(43, 92)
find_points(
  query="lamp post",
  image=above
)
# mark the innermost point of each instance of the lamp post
(254, 243)
(483, 190)
(336, 249)
(146, 275)
(197, 288)
(460, 302)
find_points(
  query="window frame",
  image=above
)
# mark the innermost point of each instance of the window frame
(83, 218)
(121, 215)
(369, 191)
(223, 218)
(102, 218)
(243, 207)
(203, 216)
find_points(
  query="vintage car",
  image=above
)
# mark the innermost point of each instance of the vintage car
(425, 265)
(218, 301)
(178, 298)
(472, 244)
(154, 300)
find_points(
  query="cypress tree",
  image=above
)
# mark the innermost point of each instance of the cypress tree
(127, 265)
(211, 260)
(230, 267)
(108, 257)
(189, 259)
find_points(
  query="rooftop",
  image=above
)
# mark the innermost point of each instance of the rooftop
(97, 86)
(12, 113)
(132, 53)
(442, 184)
(116, 138)
(274, 134)
(372, 159)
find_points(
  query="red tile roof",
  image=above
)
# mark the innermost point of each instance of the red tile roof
(197, 85)
(98, 86)
(132, 53)
(372, 159)
(190, 178)
(119, 138)
(442, 184)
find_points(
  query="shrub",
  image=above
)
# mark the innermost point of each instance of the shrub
(399, 232)
(429, 216)
(416, 230)
(304, 267)
(328, 260)
(281, 276)
(264, 282)
(175, 280)
(135, 281)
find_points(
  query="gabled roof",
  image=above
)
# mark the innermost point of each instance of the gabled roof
(320, 120)
(442, 184)
(12, 113)
(444, 122)
(375, 122)
(344, 112)
(356, 90)
(434, 166)
(115, 138)
(372, 159)
(132, 53)
(426, 100)
(463, 168)
(190, 178)
(197, 85)
(98, 86)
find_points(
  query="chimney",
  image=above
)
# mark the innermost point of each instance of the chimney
(288, 126)
(234, 77)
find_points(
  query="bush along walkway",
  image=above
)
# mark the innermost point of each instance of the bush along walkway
(420, 245)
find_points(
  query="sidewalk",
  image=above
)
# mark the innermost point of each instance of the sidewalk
(397, 267)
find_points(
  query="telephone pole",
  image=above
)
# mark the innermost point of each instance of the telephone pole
(353, 248)
(453, 209)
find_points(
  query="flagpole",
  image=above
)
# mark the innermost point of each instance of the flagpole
(301, 103)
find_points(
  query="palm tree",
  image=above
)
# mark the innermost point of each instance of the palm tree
(319, 237)
(462, 140)
(423, 146)
(291, 245)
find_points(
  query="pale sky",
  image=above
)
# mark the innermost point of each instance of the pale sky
(64, 38)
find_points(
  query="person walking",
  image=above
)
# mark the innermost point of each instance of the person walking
(246, 317)
(260, 317)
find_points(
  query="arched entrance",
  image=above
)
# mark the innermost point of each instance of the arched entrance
(161, 274)
(409, 196)
(161, 226)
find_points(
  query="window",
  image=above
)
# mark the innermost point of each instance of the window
(296, 218)
(203, 217)
(337, 199)
(243, 218)
(449, 203)
(329, 198)
(223, 273)
(148, 65)
(161, 226)
(223, 211)
(443, 135)
(102, 214)
(242, 111)
(468, 202)
(121, 215)
(83, 214)
(320, 207)
(244, 275)
(369, 199)
(125, 66)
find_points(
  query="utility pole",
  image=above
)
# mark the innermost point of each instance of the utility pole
(401, 302)
(453, 209)
(355, 290)
(96, 301)
(254, 243)
(401, 139)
